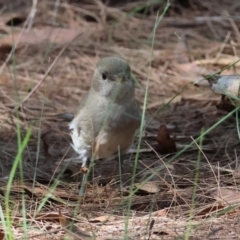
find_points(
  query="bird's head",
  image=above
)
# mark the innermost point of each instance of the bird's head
(112, 78)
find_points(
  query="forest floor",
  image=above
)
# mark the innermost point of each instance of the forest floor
(48, 55)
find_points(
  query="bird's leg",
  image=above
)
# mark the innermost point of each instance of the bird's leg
(85, 166)
(120, 168)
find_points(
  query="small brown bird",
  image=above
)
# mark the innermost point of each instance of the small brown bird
(108, 116)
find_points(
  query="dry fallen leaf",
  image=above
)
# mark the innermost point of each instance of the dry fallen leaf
(195, 73)
(224, 60)
(48, 216)
(190, 70)
(103, 218)
(150, 187)
(181, 54)
(72, 230)
(5, 80)
(209, 210)
(165, 143)
(39, 35)
(226, 196)
(160, 213)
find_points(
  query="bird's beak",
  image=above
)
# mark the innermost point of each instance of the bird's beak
(119, 80)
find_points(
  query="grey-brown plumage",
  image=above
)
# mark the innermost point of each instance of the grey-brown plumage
(108, 116)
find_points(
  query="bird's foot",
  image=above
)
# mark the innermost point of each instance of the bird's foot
(84, 170)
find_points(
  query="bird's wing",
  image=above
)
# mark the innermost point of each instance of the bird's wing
(133, 110)
(82, 103)
(65, 116)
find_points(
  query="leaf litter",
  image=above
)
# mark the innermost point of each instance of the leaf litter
(181, 194)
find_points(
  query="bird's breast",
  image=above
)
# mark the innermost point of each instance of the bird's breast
(105, 128)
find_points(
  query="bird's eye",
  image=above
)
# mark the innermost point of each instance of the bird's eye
(104, 76)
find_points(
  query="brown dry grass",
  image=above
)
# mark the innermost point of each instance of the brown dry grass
(189, 43)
